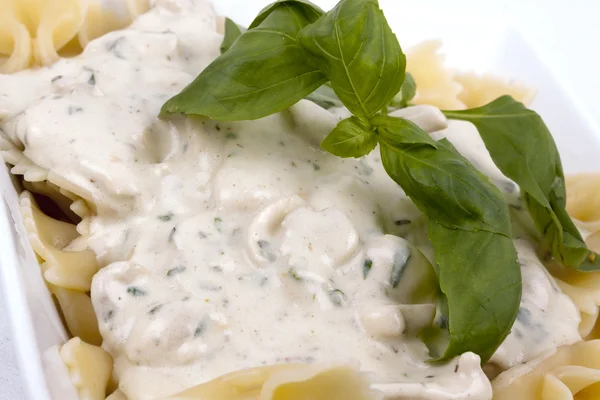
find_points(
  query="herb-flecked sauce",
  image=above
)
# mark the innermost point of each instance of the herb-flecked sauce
(226, 246)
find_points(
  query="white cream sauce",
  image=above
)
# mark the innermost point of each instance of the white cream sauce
(232, 245)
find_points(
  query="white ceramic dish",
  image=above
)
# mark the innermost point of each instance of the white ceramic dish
(496, 48)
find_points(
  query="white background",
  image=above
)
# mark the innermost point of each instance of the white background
(565, 34)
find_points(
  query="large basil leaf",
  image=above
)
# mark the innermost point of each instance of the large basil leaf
(232, 32)
(262, 73)
(524, 150)
(355, 47)
(352, 137)
(469, 227)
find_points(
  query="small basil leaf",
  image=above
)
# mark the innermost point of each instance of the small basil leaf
(408, 90)
(398, 132)
(232, 32)
(469, 227)
(407, 93)
(262, 73)
(325, 97)
(355, 47)
(350, 138)
(309, 10)
(523, 149)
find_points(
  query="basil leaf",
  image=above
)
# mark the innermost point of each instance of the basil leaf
(262, 73)
(355, 47)
(469, 227)
(309, 10)
(232, 32)
(444, 185)
(325, 97)
(408, 90)
(388, 129)
(523, 149)
(481, 280)
(407, 93)
(352, 137)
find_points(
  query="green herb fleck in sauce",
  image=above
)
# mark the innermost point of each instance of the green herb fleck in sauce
(175, 271)
(136, 291)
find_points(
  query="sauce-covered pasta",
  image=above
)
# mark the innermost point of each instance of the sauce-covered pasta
(227, 246)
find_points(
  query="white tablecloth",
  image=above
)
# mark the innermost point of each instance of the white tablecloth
(565, 33)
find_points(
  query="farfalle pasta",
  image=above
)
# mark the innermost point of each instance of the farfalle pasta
(36, 32)
(90, 368)
(583, 204)
(478, 90)
(284, 382)
(435, 83)
(68, 273)
(572, 372)
(175, 246)
(445, 88)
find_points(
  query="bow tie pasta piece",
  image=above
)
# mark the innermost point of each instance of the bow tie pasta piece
(440, 86)
(90, 368)
(15, 41)
(284, 382)
(583, 204)
(68, 270)
(37, 32)
(572, 372)
(435, 83)
(478, 90)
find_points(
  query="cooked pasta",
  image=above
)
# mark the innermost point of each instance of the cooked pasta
(436, 84)
(478, 90)
(572, 372)
(284, 382)
(35, 32)
(63, 270)
(90, 368)
(583, 204)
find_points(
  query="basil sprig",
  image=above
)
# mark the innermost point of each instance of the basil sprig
(349, 56)
(524, 150)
